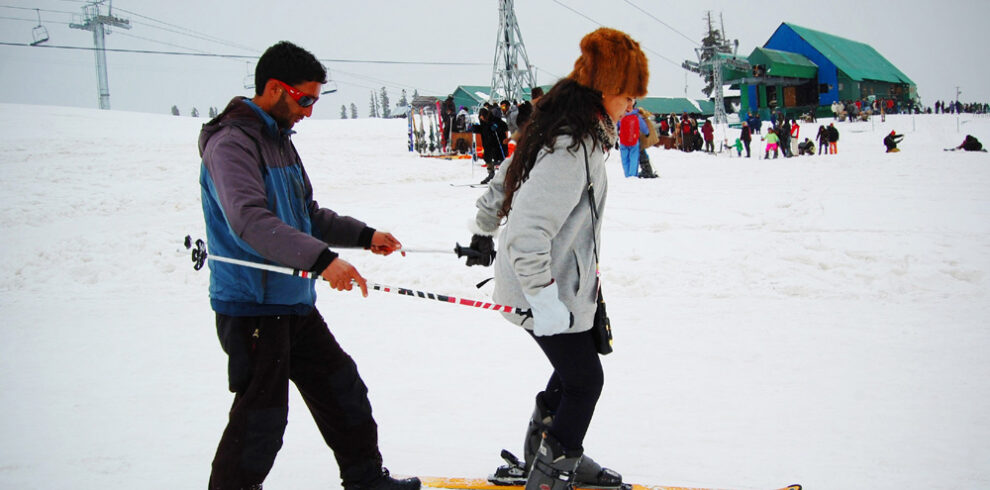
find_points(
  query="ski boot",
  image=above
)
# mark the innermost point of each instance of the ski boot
(554, 467)
(589, 473)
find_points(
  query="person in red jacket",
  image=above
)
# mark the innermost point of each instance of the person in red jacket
(709, 131)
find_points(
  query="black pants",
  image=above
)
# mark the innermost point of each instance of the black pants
(264, 354)
(574, 386)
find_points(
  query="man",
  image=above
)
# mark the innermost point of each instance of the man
(494, 140)
(258, 206)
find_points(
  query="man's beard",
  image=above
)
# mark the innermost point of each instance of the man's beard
(282, 114)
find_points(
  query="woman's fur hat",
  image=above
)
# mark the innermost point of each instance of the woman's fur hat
(612, 63)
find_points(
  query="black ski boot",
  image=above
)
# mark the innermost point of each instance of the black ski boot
(589, 473)
(385, 482)
(554, 467)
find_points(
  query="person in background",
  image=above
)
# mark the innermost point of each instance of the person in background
(258, 206)
(709, 132)
(783, 131)
(833, 138)
(494, 139)
(631, 127)
(746, 136)
(772, 143)
(970, 144)
(548, 247)
(822, 138)
(651, 138)
(891, 141)
(447, 112)
(795, 136)
(511, 112)
(535, 94)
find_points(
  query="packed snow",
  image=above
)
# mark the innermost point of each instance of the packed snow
(819, 320)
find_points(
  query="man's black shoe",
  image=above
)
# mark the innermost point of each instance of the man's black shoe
(386, 482)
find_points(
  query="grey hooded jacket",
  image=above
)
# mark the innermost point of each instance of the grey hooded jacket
(548, 234)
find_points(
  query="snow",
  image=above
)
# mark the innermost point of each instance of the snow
(818, 320)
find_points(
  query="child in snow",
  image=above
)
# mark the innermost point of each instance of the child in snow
(772, 143)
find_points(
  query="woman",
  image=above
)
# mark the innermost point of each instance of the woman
(548, 248)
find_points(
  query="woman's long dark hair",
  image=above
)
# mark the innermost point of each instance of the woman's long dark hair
(568, 108)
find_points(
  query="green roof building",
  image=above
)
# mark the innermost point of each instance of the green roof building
(800, 69)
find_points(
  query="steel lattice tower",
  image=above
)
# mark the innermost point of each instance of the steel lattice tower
(509, 78)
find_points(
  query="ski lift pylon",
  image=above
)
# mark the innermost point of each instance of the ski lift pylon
(40, 32)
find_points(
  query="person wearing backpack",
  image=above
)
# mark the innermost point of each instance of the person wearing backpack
(630, 127)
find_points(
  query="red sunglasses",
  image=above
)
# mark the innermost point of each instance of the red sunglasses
(302, 99)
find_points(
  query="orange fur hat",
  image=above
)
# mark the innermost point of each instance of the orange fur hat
(612, 63)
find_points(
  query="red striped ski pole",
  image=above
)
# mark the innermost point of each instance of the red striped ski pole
(200, 256)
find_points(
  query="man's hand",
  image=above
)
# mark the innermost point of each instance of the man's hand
(340, 275)
(383, 243)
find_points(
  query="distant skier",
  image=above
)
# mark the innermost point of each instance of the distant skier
(891, 140)
(970, 144)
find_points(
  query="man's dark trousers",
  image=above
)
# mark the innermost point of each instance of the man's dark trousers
(264, 354)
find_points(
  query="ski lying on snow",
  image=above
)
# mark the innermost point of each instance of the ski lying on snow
(469, 185)
(483, 484)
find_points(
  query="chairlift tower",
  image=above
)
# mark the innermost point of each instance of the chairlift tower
(98, 23)
(509, 78)
(710, 62)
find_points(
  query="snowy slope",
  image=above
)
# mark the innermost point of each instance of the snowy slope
(822, 320)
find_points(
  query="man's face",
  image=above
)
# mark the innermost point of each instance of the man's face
(287, 112)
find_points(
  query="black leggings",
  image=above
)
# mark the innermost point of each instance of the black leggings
(574, 387)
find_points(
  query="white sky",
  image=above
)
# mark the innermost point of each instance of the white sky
(940, 45)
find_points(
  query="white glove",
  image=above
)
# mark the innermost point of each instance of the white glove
(550, 315)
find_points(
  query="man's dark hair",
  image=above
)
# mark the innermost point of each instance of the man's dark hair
(289, 63)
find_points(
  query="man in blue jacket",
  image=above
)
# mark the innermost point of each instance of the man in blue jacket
(258, 206)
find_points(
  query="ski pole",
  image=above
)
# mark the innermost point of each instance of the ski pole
(459, 250)
(200, 256)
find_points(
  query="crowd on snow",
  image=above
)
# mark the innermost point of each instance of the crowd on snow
(499, 126)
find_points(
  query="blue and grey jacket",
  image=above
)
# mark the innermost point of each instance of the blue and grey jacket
(258, 206)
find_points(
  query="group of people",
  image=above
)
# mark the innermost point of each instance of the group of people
(549, 199)
(960, 108)
(686, 133)
(498, 124)
(783, 137)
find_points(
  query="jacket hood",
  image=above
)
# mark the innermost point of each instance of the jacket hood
(237, 113)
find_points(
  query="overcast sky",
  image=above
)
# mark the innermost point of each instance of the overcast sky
(940, 45)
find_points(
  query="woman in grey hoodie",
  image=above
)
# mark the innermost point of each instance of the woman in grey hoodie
(547, 249)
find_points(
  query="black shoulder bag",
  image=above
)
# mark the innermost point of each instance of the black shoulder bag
(601, 331)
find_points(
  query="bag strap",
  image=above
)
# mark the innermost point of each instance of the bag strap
(594, 209)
